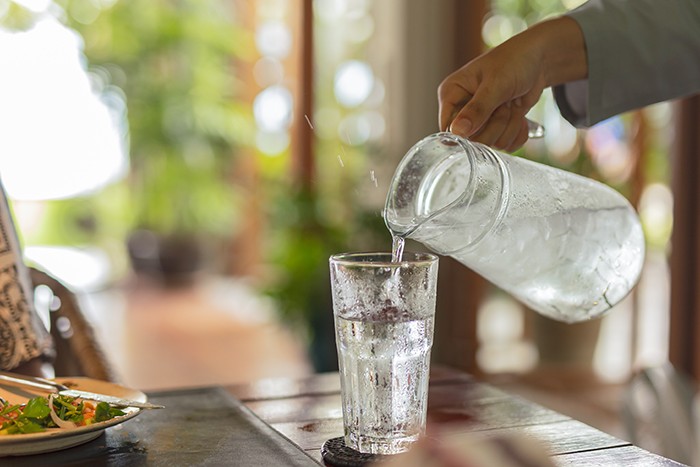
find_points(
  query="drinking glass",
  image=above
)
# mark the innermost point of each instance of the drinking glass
(384, 317)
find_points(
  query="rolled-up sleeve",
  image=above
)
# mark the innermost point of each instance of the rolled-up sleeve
(639, 52)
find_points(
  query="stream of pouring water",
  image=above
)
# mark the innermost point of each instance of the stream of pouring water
(397, 245)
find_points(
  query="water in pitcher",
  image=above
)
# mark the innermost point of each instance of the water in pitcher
(591, 261)
(565, 245)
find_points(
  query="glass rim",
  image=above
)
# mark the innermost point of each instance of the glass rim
(372, 259)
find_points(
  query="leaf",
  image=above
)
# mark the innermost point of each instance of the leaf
(29, 426)
(37, 408)
(103, 412)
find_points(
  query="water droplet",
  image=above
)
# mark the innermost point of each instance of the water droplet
(308, 121)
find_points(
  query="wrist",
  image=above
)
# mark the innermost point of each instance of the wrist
(562, 50)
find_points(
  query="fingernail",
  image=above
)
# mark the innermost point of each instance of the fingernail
(461, 127)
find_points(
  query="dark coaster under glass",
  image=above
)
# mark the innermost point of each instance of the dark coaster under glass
(337, 454)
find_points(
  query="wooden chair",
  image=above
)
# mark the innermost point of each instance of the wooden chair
(78, 352)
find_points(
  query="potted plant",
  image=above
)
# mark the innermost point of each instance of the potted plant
(302, 241)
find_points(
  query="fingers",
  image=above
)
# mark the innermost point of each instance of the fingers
(451, 98)
(480, 109)
(520, 139)
(486, 106)
(444, 119)
(447, 113)
(501, 129)
(506, 129)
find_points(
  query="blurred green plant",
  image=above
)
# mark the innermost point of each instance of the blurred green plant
(298, 247)
(175, 63)
(302, 240)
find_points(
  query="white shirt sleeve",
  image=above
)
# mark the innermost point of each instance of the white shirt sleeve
(639, 52)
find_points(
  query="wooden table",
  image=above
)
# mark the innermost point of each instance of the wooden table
(284, 422)
(308, 412)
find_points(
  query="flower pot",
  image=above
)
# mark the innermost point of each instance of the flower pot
(173, 259)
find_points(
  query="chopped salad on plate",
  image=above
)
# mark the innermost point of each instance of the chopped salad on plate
(41, 413)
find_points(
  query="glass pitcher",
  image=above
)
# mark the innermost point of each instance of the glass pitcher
(567, 246)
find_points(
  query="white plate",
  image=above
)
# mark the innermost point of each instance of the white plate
(55, 439)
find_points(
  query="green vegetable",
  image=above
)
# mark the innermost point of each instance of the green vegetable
(30, 419)
(9, 409)
(35, 415)
(104, 411)
(36, 408)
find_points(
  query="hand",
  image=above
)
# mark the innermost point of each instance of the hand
(487, 99)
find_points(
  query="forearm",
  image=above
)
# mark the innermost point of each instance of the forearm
(563, 50)
(487, 99)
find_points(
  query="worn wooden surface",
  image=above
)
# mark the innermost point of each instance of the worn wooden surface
(198, 427)
(308, 412)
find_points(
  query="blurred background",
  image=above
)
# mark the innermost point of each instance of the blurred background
(187, 167)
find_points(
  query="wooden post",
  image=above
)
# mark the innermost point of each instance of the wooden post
(245, 256)
(303, 167)
(684, 349)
